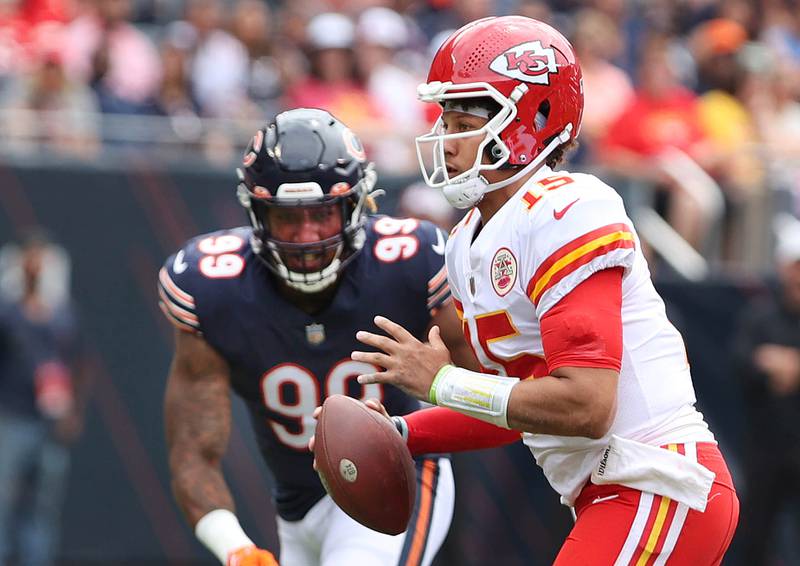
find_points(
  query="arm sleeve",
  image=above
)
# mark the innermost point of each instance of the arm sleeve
(177, 304)
(433, 240)
(584, 329)
(438, 430)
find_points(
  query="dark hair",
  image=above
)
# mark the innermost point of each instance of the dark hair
(559, 154)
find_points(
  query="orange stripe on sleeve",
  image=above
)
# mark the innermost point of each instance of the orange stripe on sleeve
(437, 279)
(176, 311)
(434, 300)
(181, 296)
(175, 322)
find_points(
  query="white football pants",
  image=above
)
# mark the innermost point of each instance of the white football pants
(326, 536)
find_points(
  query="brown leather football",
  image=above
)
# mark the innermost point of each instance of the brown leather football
(365, 465)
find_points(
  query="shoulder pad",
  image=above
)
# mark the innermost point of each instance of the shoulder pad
(187, 274)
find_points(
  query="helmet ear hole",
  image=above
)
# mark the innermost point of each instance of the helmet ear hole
(542, 114)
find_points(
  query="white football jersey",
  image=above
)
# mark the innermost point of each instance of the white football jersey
(555, 232)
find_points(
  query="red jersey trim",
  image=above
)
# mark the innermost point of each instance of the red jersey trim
(580, 251)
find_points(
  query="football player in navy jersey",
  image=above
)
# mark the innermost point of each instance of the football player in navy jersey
(270, 311)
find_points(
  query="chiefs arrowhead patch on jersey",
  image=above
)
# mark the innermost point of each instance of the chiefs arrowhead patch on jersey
(504, 271)
(529, 62)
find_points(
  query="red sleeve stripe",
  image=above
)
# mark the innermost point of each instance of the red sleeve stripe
(575, 254)
(437, 280)
(178, 324)
(174, 291)
(181, 314)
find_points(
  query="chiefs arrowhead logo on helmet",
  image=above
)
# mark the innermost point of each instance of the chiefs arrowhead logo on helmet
(529, 62)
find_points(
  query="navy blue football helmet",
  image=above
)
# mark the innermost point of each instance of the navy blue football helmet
(305, 159)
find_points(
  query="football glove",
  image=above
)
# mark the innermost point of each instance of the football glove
(251, 556)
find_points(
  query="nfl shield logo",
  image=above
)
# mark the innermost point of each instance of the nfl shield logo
(315, 334)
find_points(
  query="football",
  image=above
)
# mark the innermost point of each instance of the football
(365, 465)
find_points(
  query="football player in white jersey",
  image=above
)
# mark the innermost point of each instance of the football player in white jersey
(556, 299)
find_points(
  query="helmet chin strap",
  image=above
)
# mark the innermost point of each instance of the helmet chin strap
(470, 191)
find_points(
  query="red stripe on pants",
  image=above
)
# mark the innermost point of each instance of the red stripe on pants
(606, 517)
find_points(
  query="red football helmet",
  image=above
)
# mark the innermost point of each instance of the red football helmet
(527, 68)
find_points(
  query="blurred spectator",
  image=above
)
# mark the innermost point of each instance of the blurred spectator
(658, 139)
(48, 107)
(25, 27)
(175, 97)
(437, 15)
(715, 46)
(41, 400)
(771, 94)
(420, 201)
(729, 127)
(103, 49)
(781, 29)
(767, 356)
(218, 62)
(252, 24)
(381, 34)
(333, 84)
(536, 9)
(607, 89)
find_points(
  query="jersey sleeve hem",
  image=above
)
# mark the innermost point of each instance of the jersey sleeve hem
(438, 290)
(566, 268)
(176, 304)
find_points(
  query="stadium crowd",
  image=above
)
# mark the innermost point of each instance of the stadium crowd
(692, 107)
(692, 113)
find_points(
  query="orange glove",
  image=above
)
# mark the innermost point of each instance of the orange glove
(251, 556)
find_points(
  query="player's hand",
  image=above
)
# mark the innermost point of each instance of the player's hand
(251, 556)
(312, 440)
(373, 404)
(378, 407)
(410, 364)
(782, 366)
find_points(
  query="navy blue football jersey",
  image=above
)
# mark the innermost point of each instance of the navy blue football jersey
(285, 362)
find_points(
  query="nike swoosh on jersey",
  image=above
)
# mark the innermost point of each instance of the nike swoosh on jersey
(438, 247)
(559, 214)
(179, 266)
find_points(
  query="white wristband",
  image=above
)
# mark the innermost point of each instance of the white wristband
(478, 395)
(221, 532)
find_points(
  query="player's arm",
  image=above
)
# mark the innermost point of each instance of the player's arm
(197, 414)
(582, 339)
